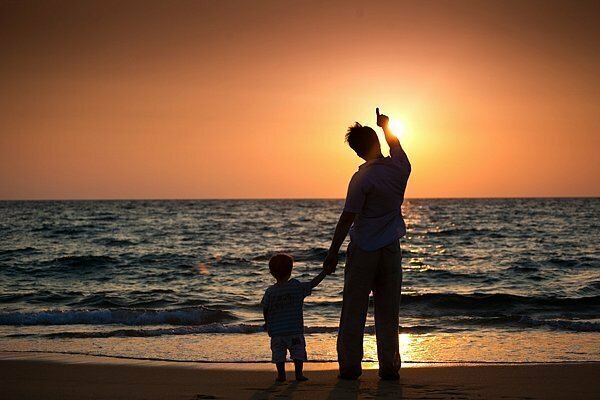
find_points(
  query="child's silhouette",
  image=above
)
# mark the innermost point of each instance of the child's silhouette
(282, 308)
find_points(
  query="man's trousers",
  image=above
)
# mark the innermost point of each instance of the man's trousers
(379, 271)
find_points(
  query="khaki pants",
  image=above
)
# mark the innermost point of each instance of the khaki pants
(379, 271)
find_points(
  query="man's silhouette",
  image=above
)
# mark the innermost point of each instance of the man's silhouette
(373, 216)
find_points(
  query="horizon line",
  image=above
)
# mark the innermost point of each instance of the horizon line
(298, 198)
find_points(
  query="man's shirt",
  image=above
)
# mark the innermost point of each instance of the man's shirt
(284, 304)
(375, 194)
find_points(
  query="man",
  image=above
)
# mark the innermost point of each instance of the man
(373, 210)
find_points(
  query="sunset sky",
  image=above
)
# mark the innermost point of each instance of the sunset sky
(251, 99)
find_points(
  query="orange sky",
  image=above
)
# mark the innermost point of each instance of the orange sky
(245, 99)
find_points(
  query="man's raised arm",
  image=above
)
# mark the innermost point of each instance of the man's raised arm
(392, 140)
(383, 121)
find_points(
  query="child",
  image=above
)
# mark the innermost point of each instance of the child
(282, 308)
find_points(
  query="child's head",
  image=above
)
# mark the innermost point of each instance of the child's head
(281, 266)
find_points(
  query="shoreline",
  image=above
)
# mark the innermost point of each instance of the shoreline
(68, 376)
(59, 356)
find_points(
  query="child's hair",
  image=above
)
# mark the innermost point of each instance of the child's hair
(281, 265)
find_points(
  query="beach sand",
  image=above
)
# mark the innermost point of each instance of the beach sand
(51, 376)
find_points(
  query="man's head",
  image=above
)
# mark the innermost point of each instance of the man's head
(281, 266)
(363, 140)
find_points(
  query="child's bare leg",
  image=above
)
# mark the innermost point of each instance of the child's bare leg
(298, 364)
(280, 371)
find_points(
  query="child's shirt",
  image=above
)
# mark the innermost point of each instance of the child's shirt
(283, 304)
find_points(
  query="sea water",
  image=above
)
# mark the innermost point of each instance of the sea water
(484, 280)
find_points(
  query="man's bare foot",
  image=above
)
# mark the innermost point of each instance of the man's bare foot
(301, 378)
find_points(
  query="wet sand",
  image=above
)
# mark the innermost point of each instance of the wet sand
(51, 376)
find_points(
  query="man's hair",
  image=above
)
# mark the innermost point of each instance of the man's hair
(361, 139)
(281, 265)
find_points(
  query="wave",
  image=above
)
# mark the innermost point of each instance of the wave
(166, 307)
(435, 305)
(51, 230)
(138, 317)
(465, 232)
(592, 287)
(22, 251)
(446, 275)
(480, 302)
(156, 298)
(113, 302)
(105, 217)
(84, 262)
(524, 267)
(112, 242)
(303, 255)
(215, 328)
(452, 326)
(574, 326)
(39, 296)
(523, 321)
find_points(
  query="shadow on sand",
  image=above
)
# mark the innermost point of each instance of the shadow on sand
(342, 390)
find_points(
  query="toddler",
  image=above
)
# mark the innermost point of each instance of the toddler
(282, 308)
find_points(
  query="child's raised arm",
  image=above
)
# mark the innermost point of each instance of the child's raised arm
(317, 279)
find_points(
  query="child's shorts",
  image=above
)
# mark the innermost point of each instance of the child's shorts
(294, 343)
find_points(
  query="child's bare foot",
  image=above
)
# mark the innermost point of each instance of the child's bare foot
(280, 372)
(298, 364)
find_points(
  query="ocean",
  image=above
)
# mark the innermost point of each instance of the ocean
(485, 280)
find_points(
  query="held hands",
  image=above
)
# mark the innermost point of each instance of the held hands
(382, 120)
(330, 263)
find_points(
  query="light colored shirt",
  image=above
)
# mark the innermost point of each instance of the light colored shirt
(284, 304)
(375, 194)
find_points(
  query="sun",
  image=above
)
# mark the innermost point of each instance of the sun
(398, 127)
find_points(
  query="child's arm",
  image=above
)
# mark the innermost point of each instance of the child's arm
(317, 279)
